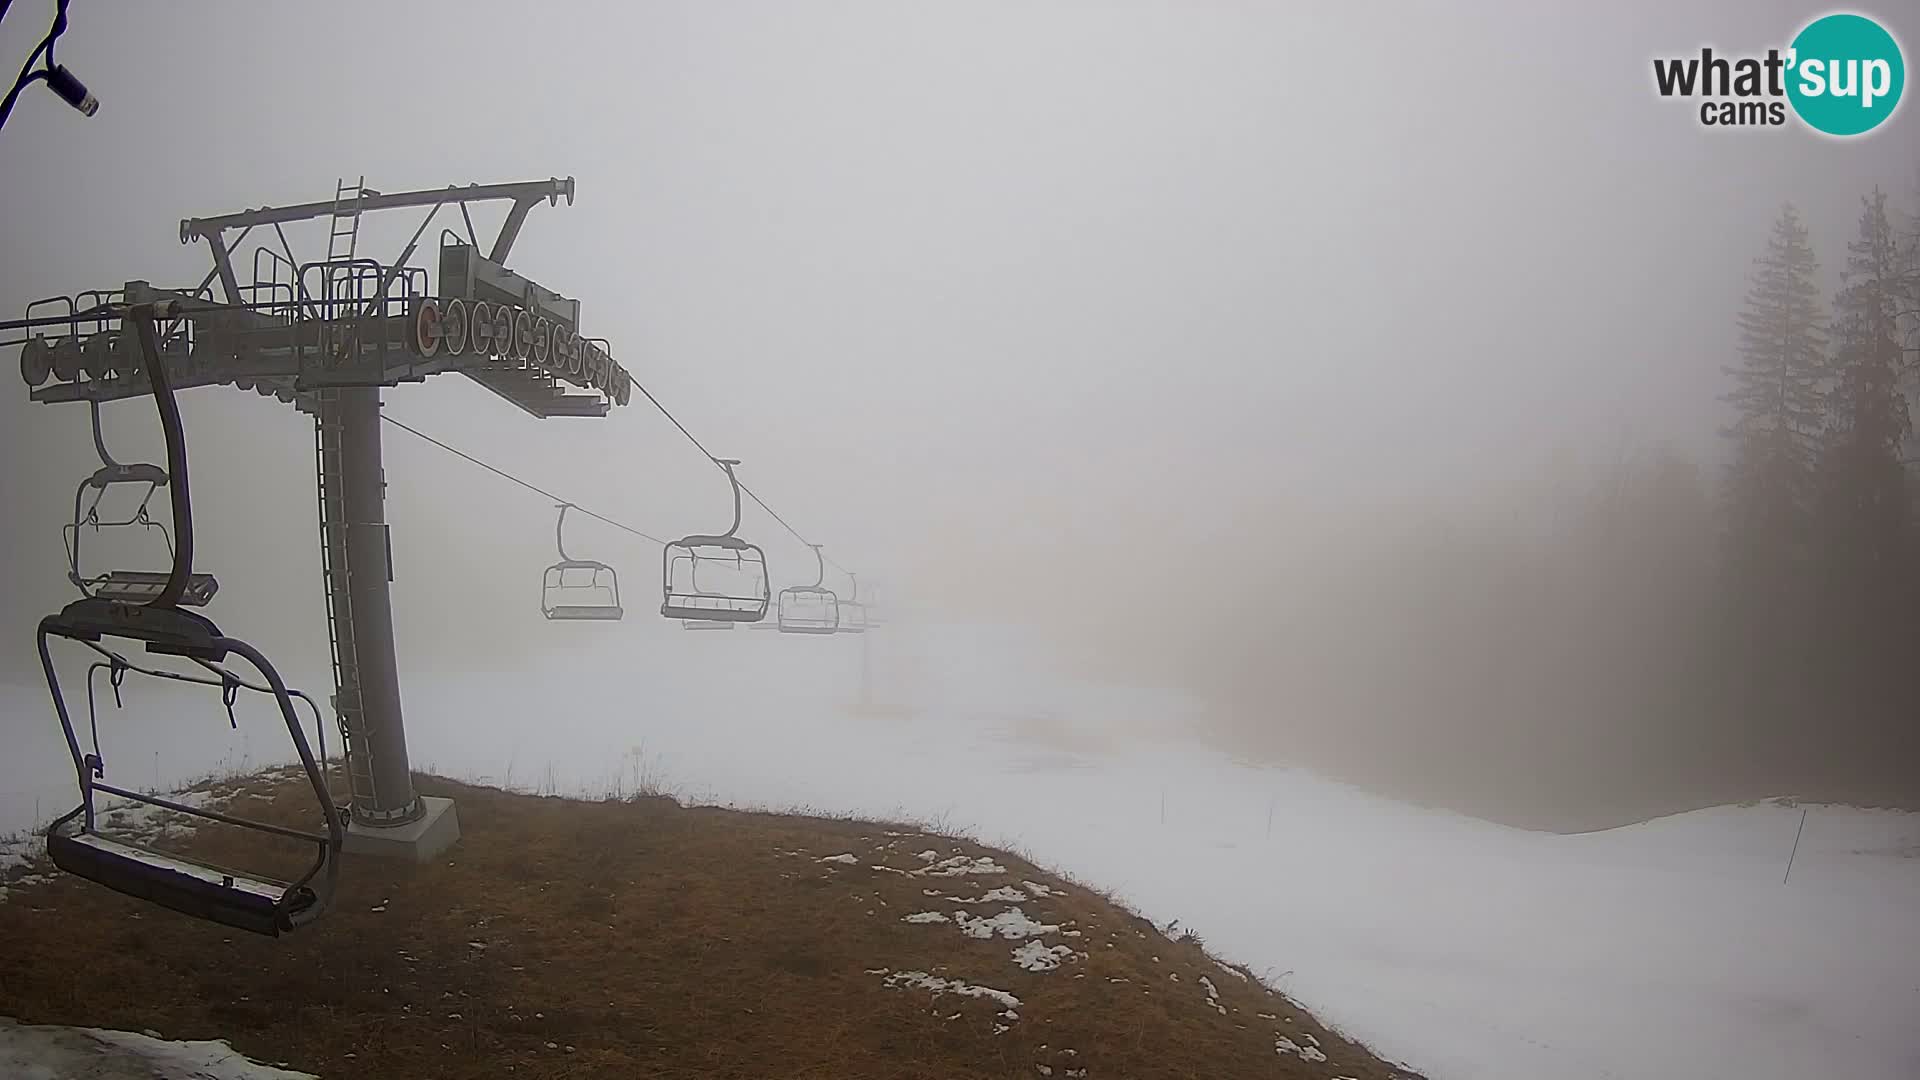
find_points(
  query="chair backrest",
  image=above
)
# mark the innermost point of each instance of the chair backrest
(714, 578)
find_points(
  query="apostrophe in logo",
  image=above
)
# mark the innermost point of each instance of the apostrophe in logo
(1847, 75)
(1842, 75)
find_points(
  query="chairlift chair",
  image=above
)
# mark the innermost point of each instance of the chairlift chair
(809, 609)
(852, 613)
(130, 586)
(744, 599)
(149, 609)
(578, 589)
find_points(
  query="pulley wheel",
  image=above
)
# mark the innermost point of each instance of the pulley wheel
(126, 354)
(453, 327)
(36, 361)
(66, 359)
(96, 356)
(427, 330)
(542, 341)
(504, 344)
(522, 334)
(481, 328)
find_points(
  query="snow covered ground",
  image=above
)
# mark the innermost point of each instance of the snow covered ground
(47, 1052)
(1469, 950)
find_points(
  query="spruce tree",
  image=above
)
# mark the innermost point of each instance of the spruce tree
(1907, 225)
(1862, 478)
(1868, 622)
(1777, 401)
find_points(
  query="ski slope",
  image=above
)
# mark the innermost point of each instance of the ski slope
(1468, 950)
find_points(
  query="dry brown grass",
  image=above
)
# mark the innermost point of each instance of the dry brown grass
(639, 938)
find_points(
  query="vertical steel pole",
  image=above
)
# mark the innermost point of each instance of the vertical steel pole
(382, 736)
(866, 668)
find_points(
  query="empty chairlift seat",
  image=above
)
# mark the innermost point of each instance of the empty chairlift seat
(809, 609)
(715, 577)
(578, 589)
(851, 612)
(79, 842)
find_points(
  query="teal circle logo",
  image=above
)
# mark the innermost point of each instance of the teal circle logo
(1846, 76)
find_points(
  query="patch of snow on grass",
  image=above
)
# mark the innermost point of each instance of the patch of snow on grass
(1011, 924)
(961, 865)
(1284, 1045)
(1036, 956)
(938, 985)
(18, 853)
(925, 917)
(122, 818)
(1005, 894)
(18, 860)
(846, 857)
(1039, 891)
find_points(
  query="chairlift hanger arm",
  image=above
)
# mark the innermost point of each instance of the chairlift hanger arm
(99, 442)
(142, 316)
(726, 465)
(112, 471)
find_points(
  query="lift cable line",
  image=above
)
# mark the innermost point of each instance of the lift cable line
(576, 507)
(559, 500)
(717, 463)
(502, 473)
(672, 419)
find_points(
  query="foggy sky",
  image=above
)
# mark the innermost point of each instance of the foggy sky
(996, 301)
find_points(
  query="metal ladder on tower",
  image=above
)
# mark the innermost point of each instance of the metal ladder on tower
(338, 296)
(334, 578)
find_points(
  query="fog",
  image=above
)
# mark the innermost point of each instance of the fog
(1133, 325)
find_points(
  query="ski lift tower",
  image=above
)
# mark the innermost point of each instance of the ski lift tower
(325, 335)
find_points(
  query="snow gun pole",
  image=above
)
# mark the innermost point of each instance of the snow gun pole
(1796, 845)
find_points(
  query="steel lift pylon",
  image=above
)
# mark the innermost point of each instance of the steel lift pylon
(326, 336)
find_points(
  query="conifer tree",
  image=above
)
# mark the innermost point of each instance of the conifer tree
(1777, 401)
(1862, 478)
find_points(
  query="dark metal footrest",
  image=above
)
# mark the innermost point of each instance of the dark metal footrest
(138, 587)
(251, 904)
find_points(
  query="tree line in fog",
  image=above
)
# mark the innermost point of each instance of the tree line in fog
(1659, 635)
